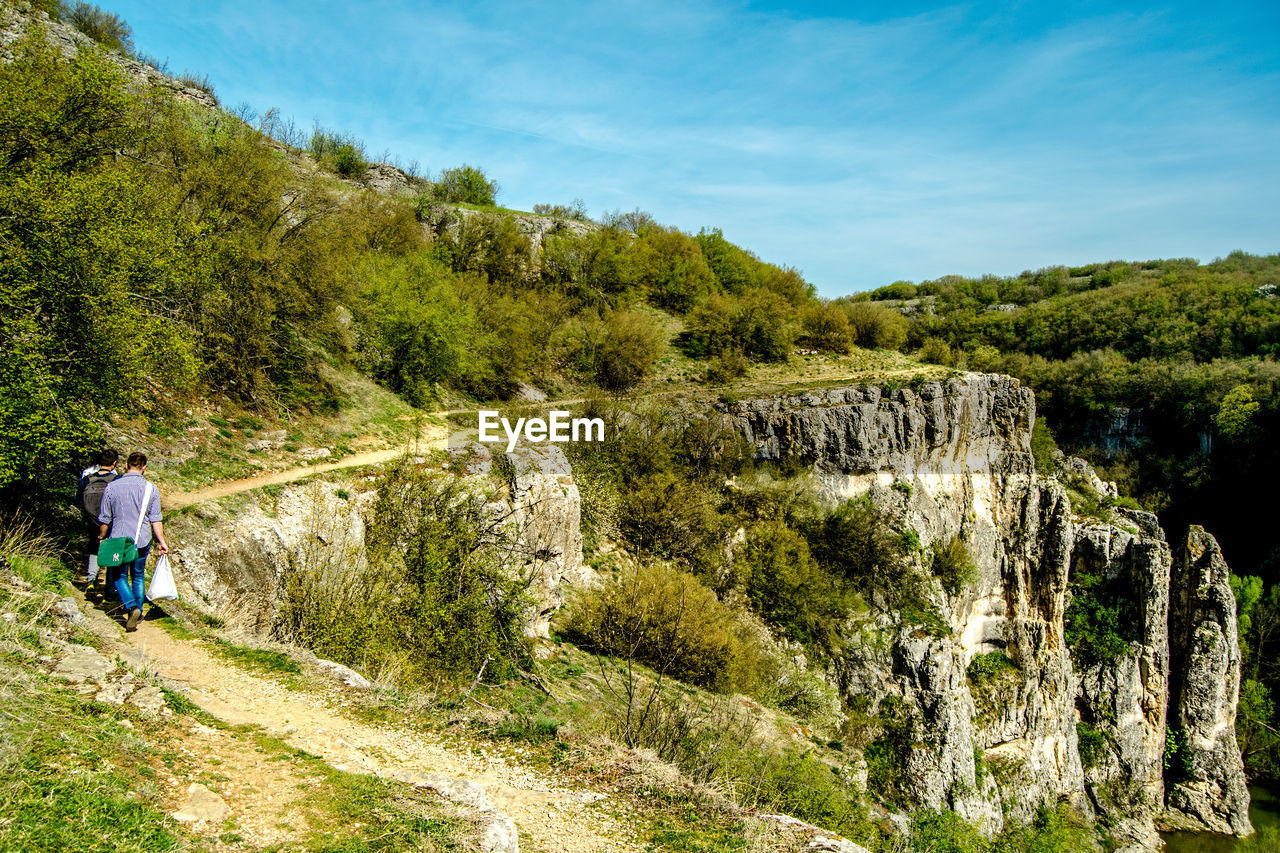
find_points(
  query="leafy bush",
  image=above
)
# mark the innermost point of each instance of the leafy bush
(1100, 620)
(985, 358)
(1177, 754)
(342, 153)
(1090, 743)
(107, 29)
(874, 326)
(825, 327)
(617, 350)
(953, 565)
(576, 211)
(1059, 829)
(887, 755)
(488, 244)
(945, 832)
(1043, 447)
(464, 185)
(757, 324)
(936, 350)
(432, 603)
(857, 541)
(789, 589)
(664, 513)
(670, 268)
(667, 619)
(419, 331)
(726, 367)
(990, 666)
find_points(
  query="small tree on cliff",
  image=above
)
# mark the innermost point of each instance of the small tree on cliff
(465, 185)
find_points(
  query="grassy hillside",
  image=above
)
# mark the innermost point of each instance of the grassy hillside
(160, 249)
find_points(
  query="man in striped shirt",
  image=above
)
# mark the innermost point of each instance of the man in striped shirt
(122, 513)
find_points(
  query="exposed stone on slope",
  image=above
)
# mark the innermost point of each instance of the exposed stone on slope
(544, 512)
(344, 674)
(1125, 699)
(68, 40)
(202, 806)
(82, 664)
(1206, 687)
(953, 458)
(235, 566)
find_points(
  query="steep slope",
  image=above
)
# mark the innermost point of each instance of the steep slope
(954, 459)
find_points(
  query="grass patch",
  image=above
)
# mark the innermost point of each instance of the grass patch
(259, 660)
(354, 812)
(72, 778)
(176, 629)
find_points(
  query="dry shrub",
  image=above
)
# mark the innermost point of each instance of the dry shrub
(430, 605)
(668, 620)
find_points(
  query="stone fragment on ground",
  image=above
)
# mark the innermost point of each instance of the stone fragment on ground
(67, 609)
(202, 806)
(344, 674)
(149, 700)
(81, 664)
(115, 693)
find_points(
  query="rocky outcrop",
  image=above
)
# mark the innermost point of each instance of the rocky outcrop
(68, 40)
(1122, 699)
(540, 511)
(952, 458)
(1208, 787)
(234, 561)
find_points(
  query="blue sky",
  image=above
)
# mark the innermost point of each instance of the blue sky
(860, 143)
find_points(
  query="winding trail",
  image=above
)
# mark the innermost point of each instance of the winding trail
(433, 438)
(550, 815)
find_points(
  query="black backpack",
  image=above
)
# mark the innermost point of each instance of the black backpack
(93, 490)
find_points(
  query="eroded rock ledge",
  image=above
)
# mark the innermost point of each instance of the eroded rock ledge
(954, 458)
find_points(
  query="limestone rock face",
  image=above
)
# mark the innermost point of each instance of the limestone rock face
(1125, 699)
(236, 564)
(953, 459)
(1206, 686)
(540, 510)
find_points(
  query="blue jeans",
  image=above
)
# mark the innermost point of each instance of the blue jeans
(131, 582)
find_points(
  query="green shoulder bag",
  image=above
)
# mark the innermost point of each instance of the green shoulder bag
(122, 549)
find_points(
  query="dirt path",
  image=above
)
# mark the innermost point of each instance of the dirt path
(550, 816)
(433, 438)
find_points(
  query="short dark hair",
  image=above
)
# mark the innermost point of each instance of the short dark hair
(137, 460)
(108, 456)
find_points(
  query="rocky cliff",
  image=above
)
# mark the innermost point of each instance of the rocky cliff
(233, 558)
(1064, 720)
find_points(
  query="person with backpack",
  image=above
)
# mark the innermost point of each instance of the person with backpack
(131, 509)
(93, 482)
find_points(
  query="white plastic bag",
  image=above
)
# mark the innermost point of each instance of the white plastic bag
(162, 585)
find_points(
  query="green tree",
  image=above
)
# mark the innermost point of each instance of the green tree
(789, 589)
(465, 185)
(1237, 414)
(671, 268)
(422, 332)
(88, 248)
(107, 29)
(826, 327)
(873, 325)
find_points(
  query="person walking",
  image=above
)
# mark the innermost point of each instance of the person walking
(93, 483)
(131, 508)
